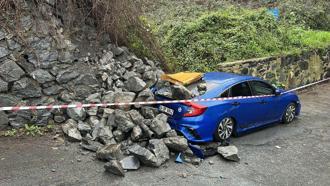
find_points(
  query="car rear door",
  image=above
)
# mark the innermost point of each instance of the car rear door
(245, 111)
(269, 105)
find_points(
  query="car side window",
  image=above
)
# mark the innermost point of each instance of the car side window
(242, 89)
(225, 94)
(261, 88)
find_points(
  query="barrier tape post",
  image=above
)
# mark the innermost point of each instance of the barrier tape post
(80, 105)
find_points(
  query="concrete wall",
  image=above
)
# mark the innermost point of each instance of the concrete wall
(290, 71)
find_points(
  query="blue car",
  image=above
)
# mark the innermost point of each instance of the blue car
(219, 120)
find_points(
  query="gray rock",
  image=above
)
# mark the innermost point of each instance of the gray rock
(145, 95)
(180, 92)
(2, 35)
(159, 125)
(13, 44)
(3, 52)
(110, 152)
(135, 84)
(118, 51)
(119, 84)
(84, 127)
(66, 76)
(177, 144)
(108, 97)
(144, 155)
(92, 111)
(149, 112)
(3, 86)
(65, 57)
(26, 22)
(90, 145)
(59, 119)
(10, 71)
(130, 74)
(7, 100)
(158, 147)
(136, 133)
(115, 168)
(70, 129)
(229, 152)
(106, 58)
(130, 163)
(121, 97)
(105, 134)
(119, 135)
(76, 113)
(171, 133)
(136, 117)
(42, 76)
(27, 88)
(52, 90)
(87, 79)
(146, 130)
(150, 77)
(123, 121)
(4, 121)
(165, 92)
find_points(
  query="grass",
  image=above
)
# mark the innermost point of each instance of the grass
(197, 37)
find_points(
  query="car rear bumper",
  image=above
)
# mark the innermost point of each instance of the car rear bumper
(192, 128)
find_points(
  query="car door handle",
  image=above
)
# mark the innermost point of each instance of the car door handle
(236, 103)
(263, 102)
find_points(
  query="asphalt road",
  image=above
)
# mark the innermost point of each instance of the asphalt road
(295, 154)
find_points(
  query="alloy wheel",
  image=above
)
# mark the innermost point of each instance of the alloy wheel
(290, 113)
(225, 128)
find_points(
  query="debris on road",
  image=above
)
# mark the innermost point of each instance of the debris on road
(229, 152)
(114, 167)
(130, 163)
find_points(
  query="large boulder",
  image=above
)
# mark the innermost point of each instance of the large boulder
(71, 130)
(144, 155)
(76, 113)
(3, 52)
(229, 152)
(180, 92)
(159, 149)
(10, 71)
(130, 163)
(135, 84)
(42, 76)
(110, 152)
(27, 88)
(177, 144)
(123, 121)
(115, 168)
(65, 76)
(120, 97)
(159, 125)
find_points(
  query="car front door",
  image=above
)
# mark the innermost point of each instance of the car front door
(245, 111)
(269, 111)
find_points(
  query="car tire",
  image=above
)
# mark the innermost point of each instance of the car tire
(225, 129)
(290, 113)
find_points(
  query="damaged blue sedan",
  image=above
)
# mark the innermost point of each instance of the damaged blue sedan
(219, 120)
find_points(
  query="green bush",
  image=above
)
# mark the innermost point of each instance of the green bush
(311, 13)
(229, 35)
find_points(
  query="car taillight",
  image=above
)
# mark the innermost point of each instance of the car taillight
(194, 109)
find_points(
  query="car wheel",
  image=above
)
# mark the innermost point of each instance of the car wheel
(290, 113)
(225, 129)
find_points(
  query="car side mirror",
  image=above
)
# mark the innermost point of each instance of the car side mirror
(277, 92)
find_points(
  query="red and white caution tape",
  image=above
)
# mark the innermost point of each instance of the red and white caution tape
(91, 105)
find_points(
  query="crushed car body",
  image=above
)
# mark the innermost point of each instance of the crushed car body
(218, 120)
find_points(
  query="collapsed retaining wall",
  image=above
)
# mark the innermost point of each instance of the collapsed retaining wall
(289, 71)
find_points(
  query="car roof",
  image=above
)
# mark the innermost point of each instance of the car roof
(221, 81)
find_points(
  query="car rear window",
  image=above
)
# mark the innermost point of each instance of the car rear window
(200, 87)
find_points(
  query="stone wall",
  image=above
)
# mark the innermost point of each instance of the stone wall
(40, 64)
(289, 71)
